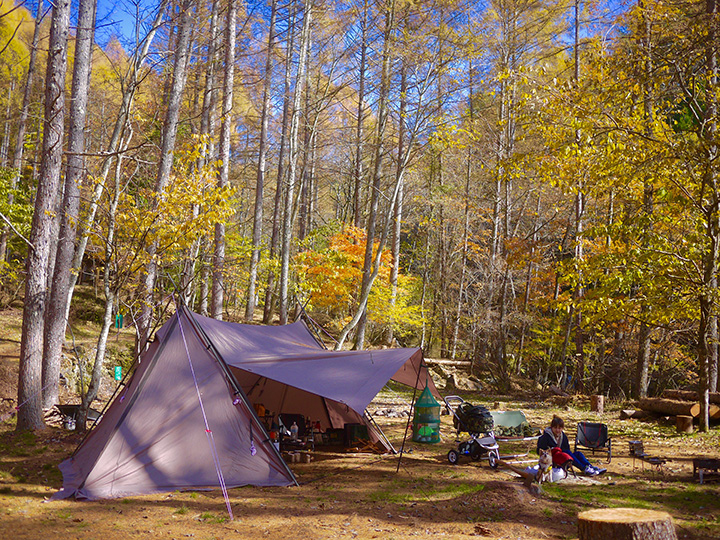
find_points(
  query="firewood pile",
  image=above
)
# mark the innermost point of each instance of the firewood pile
(673, 404)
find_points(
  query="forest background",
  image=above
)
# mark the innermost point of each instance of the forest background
(529, 185)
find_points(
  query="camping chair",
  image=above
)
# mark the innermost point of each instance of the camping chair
(594, 436)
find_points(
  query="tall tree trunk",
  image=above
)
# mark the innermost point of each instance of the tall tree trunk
(579, 231)
(218, 283)
(644, 334)
(22, 125)
(207, 152)
(398, 215)
(31, 343)
(293, 163)
(169, 135)
(712, 131)
(270, 296)
(528, 288)
(369, 272)
(110, 296)
(379, 152)
(204, 279)
(116, 145)
(359, 132)
(262, 163)
(711, 209)
(6, 130)
(55, 318)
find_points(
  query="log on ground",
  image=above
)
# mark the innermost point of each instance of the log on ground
(670, 407)
(689, 395)
(633, 413)
(625, 524)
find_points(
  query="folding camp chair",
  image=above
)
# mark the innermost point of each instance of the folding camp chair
(594, 436)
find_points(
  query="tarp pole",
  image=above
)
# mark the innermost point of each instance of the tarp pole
(412, 407)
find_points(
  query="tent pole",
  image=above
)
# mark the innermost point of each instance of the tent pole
(412, 407)
(372, 421)
(314, 327)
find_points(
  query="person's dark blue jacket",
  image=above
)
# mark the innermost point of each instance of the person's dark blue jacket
(547, 441)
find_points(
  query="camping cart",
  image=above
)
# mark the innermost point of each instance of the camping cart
(512, 427)
(477, 421)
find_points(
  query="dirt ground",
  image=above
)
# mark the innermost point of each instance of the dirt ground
(358, 495)
(350, 495)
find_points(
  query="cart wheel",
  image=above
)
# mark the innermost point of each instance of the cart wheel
(453, 457)
(493, 459)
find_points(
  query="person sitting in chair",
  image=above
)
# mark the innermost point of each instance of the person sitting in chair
(554, 438)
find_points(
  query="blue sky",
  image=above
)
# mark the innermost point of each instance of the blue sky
(118, 17)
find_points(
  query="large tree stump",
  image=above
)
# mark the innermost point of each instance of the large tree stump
(684, 424)
(625, 524)
(597, 404)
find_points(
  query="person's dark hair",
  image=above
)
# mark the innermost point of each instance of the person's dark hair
(557, 422)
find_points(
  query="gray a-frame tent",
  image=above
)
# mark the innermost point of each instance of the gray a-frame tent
(185, 419)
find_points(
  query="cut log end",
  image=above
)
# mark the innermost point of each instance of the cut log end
(625, 524)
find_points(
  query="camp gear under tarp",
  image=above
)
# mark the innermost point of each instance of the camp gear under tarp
(185, 419)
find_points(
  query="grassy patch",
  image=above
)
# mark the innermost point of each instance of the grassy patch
(20, 444)
(390, 496)
(209, 517)
(679, 500)
(63, 514)
(402, 492)
(182, 510)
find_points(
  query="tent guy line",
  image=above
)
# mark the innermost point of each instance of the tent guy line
(208, 431)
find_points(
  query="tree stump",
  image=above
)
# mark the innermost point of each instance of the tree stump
(597, 404)
(625, 524)
(684, 424)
